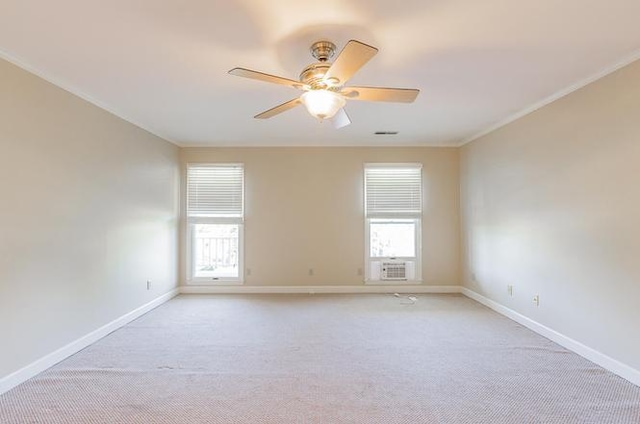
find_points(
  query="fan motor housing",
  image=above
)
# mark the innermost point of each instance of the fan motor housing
(323, 50)
(313, 75)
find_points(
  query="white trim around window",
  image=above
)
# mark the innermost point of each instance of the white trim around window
(193, 279)
(214, 233)
(393, 206)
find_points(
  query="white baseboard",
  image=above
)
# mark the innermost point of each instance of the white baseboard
(606, 362)
(373, 288)
(35, 368)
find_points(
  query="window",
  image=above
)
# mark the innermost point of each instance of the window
(393, 218)
(215, 216)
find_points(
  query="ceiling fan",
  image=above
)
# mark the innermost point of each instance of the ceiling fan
(323, 83)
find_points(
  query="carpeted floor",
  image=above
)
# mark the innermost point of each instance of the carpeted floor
(323, 359)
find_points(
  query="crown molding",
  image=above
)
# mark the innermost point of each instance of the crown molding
(78, 93)
(552, 98)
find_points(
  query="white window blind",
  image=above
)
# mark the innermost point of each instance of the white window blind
(393, 190)
(215, 190)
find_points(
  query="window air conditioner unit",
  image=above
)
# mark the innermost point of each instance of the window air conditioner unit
(393, 270)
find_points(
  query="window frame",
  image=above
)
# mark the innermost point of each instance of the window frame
(417, 220)
(190, 240)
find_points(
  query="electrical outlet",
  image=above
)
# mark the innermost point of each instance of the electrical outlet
(510, 290)
(473, 277)
(360, 271)
(248, 272)
(536, 300)
(148, 284)
(310, 271)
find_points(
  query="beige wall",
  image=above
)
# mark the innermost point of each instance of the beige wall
(304, 209)
(89, 209)
(551, 205)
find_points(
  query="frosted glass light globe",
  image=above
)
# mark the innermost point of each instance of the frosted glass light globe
(323, 104)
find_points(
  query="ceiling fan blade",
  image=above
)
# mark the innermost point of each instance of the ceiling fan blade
(278, 109)
(352, 57)
(380, 94)
(341, 119)
(261, 76)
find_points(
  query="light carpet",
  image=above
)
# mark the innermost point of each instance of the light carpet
(323, 359)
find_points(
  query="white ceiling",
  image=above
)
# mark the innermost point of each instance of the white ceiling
(162, 64)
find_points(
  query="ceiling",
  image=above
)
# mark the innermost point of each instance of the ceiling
(162, 64)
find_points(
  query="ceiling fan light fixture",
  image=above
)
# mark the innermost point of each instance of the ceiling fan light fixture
(323, 83)
(323, 104)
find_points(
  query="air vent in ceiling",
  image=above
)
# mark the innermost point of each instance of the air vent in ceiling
(386, 132)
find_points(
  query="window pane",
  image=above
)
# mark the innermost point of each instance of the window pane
(215, 250)
(392, 238)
